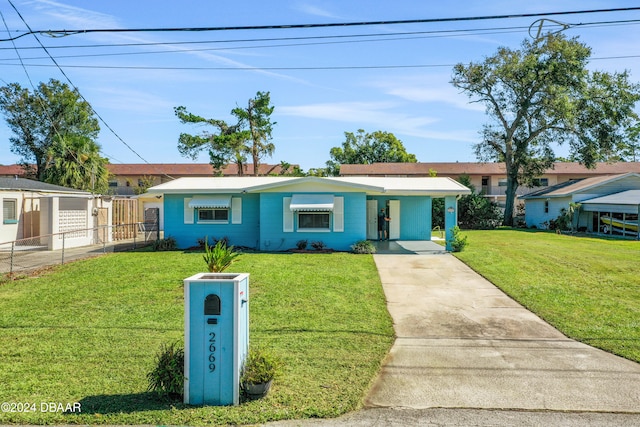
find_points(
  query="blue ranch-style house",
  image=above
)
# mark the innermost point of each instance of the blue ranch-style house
(274, 213)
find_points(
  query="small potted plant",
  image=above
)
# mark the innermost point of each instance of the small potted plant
(258, 371)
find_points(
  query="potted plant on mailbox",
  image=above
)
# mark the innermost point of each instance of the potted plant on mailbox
(258, 371)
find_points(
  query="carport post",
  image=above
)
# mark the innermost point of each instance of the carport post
(450, 218)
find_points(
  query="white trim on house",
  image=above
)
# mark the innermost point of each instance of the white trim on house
(399, 186)
(211, 202)
(312, 202)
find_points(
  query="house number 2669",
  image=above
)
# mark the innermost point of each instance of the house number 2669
(212, 350)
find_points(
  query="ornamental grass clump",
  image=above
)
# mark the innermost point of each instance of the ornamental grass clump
(220, 256)
(363, 247)
(167, 377)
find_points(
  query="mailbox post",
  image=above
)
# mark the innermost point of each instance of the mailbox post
(216, 322)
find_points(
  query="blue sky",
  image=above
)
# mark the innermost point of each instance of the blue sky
(313, 107)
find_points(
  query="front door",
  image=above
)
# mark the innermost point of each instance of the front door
(394, 222)
(372, 219)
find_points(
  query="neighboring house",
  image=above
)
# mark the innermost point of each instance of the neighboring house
(132, 178)
(608, 204)
(37, 213)
(128, 179)
(274, 213)
(491, 178)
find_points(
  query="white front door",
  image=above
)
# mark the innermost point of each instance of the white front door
(372, 219)
(394, 223)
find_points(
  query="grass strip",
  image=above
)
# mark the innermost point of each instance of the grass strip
(586, 287)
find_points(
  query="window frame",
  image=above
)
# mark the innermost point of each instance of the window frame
(14, 211)
(214, 220)
(302, 229)
(540, 182)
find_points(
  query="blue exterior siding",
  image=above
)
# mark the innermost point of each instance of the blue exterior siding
(273, 238)
(263, 219)
(415, 215)
(187, 235)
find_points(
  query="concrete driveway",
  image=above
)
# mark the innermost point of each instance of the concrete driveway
(462, 343)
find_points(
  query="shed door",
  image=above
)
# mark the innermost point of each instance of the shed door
(372, 219)
(394, 223)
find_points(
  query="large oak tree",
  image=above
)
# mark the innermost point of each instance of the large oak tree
(541, 96)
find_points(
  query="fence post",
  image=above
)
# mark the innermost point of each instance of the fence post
(63, 237)
(13, 244)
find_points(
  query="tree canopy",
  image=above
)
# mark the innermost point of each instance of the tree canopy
(248, 138)
(75, 162)
(541, 96)
(54, 126)
(367, 148)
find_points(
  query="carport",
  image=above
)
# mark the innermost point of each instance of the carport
(615, 214)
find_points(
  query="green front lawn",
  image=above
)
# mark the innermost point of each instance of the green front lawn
(588, 288)
(88, 331)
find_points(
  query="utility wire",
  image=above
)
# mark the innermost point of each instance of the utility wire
(311, 68)
(72, 85)
(433, 33)
(41, 101)
(64, 33)
(436, 33)
(269, 46)
(381, 37)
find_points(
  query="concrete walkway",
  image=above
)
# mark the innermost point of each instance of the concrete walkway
(462, 343)
(468, 355)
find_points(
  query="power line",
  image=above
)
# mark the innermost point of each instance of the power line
(436, 33)
(328, 68)
(64, 33)
(368, 38)
(78, 91)
(74, 86)
(40, 100)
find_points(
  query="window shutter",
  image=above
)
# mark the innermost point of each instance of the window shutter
(236, 210)
(287, 215)
(188, 212)
(338, 214)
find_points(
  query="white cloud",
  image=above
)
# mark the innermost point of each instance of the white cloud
(131, 100)
(377, 115)
(429, 89)
(314, 10)
(74, 17)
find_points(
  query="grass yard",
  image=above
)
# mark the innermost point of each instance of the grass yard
(588, 288)
(88, 332)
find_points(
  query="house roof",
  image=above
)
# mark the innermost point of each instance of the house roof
(571, 187)
(171, 169)
(187, 169)
(629, 197)
(23, 184)
(469, 168)
(398, 186)
(11, 170)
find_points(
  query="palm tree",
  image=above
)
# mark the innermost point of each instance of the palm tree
(74, 161)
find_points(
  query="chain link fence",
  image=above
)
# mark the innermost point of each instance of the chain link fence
(32, 253)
